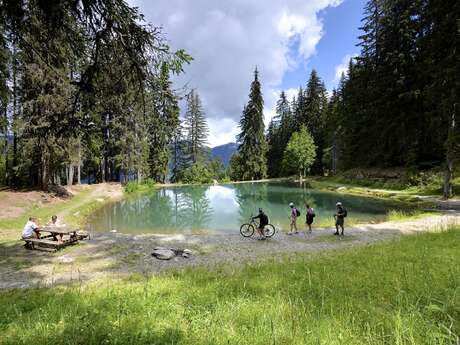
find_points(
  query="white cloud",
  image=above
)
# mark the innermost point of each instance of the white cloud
(222, 130)
(228, 39)
(342, 68)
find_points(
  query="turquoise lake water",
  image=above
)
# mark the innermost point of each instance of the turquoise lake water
(223, 208)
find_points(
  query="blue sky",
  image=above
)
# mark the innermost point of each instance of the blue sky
(285, 39)
(341, 30)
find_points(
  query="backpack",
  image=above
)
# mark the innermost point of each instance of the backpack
(297, 212)
(345, 212)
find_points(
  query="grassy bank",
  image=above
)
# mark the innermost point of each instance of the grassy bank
(400, 292)
(74, 210)
(428, 184)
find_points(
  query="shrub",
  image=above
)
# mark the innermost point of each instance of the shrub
(131, 187)
(197, 173)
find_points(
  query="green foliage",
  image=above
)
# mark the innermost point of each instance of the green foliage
(197, 173)
(311, 113)
(70, 107)
(235, 169)
(280, 130)
(217, 169)
(253, 146)
(300, 153)
(400, 292)
(393, 109)
(196, 128)
(163, 123)
(135, 187)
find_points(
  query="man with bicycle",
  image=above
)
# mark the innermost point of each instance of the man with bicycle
(263, 221)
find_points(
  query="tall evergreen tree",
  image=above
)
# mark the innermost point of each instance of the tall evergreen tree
(313, 116)
(196, 128)
(279, 133)
(82, 78)
(252, 145)
(162, 125)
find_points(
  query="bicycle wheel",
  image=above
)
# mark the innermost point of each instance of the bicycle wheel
(247, 230)
(269, 230)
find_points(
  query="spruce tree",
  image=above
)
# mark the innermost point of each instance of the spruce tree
(163, 125)
(252, 144)
(196, 128)
(311, 112)
(279, 133)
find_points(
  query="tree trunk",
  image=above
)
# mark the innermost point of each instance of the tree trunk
(79, 163)
(70, 174)
(15, 113)
(7, 168)
(450, 154)
(102, 170)
(334, 155)
(448, 177)
(44, 170)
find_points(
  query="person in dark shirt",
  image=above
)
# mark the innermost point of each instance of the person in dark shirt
(310, 217)
(263, 221)
(339, 218)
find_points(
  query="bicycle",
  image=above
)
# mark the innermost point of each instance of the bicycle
(247, 229)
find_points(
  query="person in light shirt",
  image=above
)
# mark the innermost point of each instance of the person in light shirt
(31, 229)
(56, 222)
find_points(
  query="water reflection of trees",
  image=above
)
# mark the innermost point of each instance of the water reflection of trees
(250, 196)
(143, 213)
(192, 208)
(165, 210)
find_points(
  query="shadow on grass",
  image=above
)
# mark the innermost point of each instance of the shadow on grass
(404, 291)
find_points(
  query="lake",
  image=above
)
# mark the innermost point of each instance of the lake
(223, 208)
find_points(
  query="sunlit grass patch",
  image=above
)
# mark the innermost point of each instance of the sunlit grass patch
(399, 215)
(404, 291)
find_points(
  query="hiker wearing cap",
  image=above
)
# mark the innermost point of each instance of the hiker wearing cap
(293, 218)
(263, 221)
(339, 216)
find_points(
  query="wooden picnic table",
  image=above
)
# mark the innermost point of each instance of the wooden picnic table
(61, 231)
(51, 240)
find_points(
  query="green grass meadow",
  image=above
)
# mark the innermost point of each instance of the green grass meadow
(402, 292)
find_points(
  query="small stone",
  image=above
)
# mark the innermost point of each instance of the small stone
(187, 251)
(185, 255)
(113, 230)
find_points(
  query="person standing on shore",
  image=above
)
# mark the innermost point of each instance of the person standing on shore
(309, 217)
(339, 216)
(293, 218)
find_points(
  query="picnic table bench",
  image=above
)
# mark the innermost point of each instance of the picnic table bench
(51, 241)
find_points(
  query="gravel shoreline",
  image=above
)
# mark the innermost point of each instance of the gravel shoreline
(118, 255)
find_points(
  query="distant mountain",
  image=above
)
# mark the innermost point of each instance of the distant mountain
(224, 152)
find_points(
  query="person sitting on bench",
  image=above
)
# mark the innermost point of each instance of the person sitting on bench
(55, 222)
(31, 229)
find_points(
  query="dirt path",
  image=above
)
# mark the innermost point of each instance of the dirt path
(116, 255)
